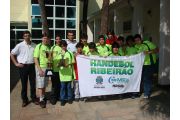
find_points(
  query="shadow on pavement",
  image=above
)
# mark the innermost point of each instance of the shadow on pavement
(158, 103)
(14, 76)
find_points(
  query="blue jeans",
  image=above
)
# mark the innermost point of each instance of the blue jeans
(66, 92)
(147, 79)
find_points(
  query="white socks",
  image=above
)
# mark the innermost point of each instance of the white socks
(41, 98)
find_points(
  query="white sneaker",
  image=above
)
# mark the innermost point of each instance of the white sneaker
(146, 97)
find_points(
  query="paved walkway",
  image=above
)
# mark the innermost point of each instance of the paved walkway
(157, 108)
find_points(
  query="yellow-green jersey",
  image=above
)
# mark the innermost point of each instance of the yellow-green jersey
(143, 47)
(104, 50)
(40, 53)
(67, 73)
(93, 53)
(112, 54)
(131, 50)
(56, 50)
(85, 49)
(122, 52)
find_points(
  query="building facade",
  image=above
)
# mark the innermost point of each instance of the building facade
(150, 18)
(62, 15)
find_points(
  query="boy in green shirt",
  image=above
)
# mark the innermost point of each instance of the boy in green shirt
(67, 74)
(102, 48)
(92, 49)
(84, 38)
(41, 59)
(149, 50)
(115, 50)
(130, 49)
(55, 51)
(122, 46)
(79, 47)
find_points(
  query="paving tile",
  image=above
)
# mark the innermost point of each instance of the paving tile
(126, 109)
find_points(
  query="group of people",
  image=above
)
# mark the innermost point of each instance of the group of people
(33, 62)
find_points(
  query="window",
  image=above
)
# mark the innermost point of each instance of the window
(61, 33)
(49, 11)
(21, 27)
(50, 23)
(35, 10)
(71, 2)
(37, 41)
(34, 1)
(60, 2)
(51, 33)
(50, 2)
(60, 11)
(60, 24)
(71, 12)
(127, 26)
(36, 34)
(16, 33)
(61, 16)
(20, 34)
(36, 22)
(12, 34)
(71, 24)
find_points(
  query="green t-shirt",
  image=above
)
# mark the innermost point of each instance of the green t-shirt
(93, 53)
(40, 53)
(112, 54)
(143, 47)
(56, 50)
(67, 73)
(121, 52)
(85, 50)
(104, 50)
(131, 50)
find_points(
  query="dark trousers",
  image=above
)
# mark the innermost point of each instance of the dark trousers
(55, 90)
(66, 91)
(28, 72)
(147, 79)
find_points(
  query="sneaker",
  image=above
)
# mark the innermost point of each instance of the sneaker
(133, 97)
(76, 100)
(25, 103)
(120, 97)
(63, 103)
(42, 104)
(70, 101)
(53, 101)
(82, 99)
(86, 99)
(99, 97)
(146, 97)
(35, 101)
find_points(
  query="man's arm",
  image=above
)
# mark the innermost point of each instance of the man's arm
(156, 50)
(41, 72)
(13, 58)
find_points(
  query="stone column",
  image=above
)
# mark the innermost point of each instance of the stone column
(164, 43)
(137, 21)
(115, 21)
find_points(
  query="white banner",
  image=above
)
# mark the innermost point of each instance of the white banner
(110, 75)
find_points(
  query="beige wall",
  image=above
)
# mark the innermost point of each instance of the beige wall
(95, 5)
(152, 20)
(19, 10)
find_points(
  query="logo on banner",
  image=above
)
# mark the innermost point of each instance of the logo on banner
(99, 82)
(118, 82)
